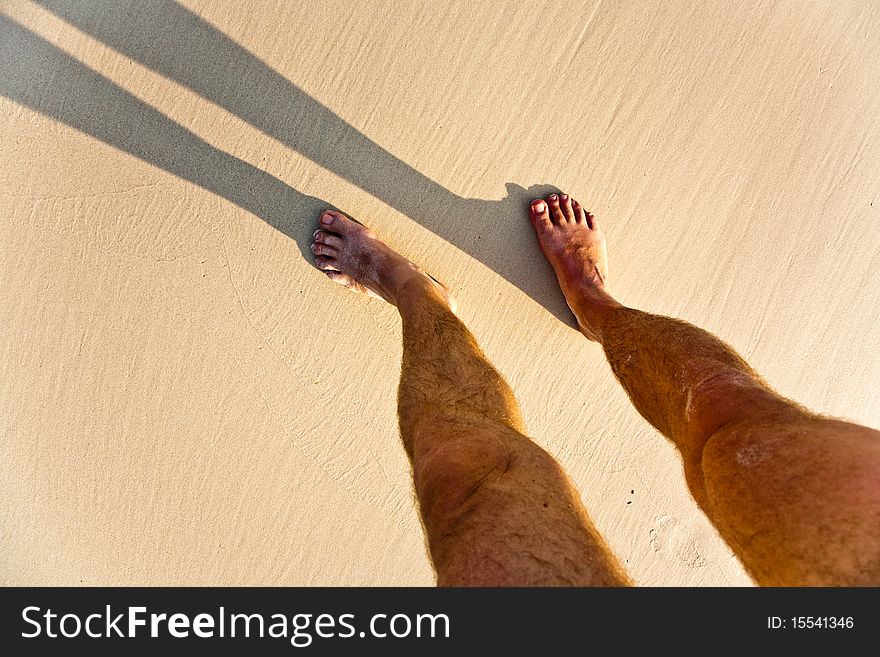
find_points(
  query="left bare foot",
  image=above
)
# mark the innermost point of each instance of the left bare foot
(351, 255)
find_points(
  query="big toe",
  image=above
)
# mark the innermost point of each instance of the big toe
(337, 222)
(539, 214)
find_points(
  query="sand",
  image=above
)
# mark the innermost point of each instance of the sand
(185, 400)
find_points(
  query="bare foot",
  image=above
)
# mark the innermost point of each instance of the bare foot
(351, 255)
(573, 243)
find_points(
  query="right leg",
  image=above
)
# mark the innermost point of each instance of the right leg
(796, 496)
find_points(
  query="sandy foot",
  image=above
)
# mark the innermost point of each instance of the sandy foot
(573, 243)
(351, 255)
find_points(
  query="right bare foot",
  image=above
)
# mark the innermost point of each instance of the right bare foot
(573, 243)
(351, 255)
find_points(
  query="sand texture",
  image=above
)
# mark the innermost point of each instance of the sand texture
(184, 399)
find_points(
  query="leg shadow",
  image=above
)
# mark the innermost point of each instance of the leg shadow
(54, 84)
(174, 42)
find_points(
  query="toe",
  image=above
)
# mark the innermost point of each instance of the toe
(591, 220)
(326, 264)
(329, 239)
(580, 215)
(338, 223)
(337, 277)
(539, 214)
(324, 249)
(555, 211)
(565, 207)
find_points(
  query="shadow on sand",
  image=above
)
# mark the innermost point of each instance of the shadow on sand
(174, 42)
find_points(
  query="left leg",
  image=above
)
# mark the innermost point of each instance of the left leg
(497, 509)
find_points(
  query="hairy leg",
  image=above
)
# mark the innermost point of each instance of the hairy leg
(497, 509)
(796, 495)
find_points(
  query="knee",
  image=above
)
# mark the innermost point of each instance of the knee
(759, 450)
(453, 460)
(725, 397)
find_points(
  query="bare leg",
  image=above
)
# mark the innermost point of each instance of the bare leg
(497, 509)
(796, 495)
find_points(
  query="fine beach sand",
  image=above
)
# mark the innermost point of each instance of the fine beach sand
(184, 399)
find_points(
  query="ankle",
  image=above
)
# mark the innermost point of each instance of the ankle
(414, 288)
(593, 307)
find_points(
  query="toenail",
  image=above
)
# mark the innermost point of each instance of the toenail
(552, 197)
(326, 218)
(539, 206)
(564, 197)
